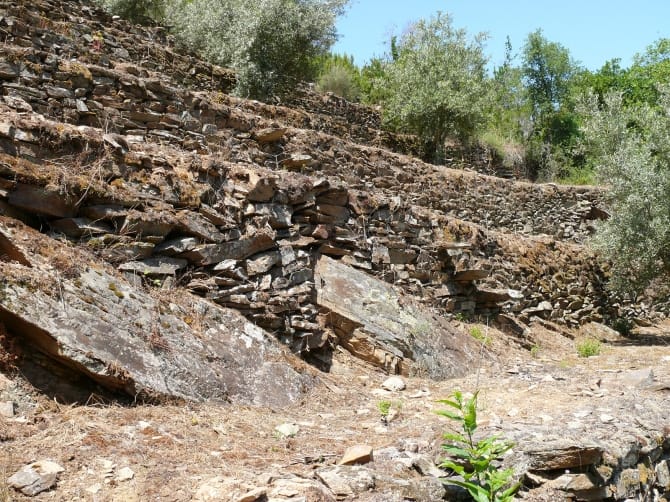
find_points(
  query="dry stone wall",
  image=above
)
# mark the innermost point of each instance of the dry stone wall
(203, 186)
(148, 184)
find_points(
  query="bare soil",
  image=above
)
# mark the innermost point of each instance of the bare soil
(174, 449)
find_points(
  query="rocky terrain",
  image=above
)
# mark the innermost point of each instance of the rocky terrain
(202, 295)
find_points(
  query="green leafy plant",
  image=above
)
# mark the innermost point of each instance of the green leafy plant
(478, 334)
(476, 461)
(623, 326)
(384, 407)
(588, 347)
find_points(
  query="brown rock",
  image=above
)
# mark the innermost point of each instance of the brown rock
(377, 324)
(42, 201)
(561, 456)
(470, 275)
(269, 134)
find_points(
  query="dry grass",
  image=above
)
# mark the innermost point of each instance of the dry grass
(173, 449)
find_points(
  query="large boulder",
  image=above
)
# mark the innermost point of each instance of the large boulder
(379, 324)
(127, 339)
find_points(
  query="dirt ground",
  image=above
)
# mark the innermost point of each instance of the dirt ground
(173, 450)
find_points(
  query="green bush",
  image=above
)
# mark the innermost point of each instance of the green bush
(629, 147)
(476, 461)
(271, 44)
(588, 347)
(340, 81)
(138, 11)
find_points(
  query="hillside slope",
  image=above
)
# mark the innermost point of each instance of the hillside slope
(209, 267)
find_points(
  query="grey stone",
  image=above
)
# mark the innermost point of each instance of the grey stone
(262, 263)
(124, 251)
(197, 225)
(36, 477)
(279, 215)
(128, 341)
(159, 265)
(79, 227)
(176, 246)
(208, 254)
(39, 200)
(7, 409)
(379, 325)
(346, 480)
(394, 383)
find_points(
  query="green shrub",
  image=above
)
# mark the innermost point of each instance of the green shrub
(476, 461)
(138, 11)
(272, 44)
(478, 334)
(340, 81)
(588, 347)
(384, 407)
(508, 152)
(630, 150)
(579, 176)
(623, 326)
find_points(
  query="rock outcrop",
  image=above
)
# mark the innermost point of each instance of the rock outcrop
(161, 239)
(149, 346)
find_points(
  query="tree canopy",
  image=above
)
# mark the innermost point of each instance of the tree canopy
(436, 85)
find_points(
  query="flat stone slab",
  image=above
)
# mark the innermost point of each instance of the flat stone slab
(380, 325)
(158, 265)
(129, 341)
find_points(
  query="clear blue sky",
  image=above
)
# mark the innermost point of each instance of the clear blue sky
(594, 31)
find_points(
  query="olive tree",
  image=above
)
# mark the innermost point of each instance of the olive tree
(138, 11)
(630, 150)
(270, 43)
(436, 84)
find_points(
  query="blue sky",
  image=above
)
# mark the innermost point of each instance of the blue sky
(593, 30)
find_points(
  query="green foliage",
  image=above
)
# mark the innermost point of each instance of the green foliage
(476, 461)
(649, 70)
(623, 326)
(584, 175)
(509, 100)
(436, 86)
(384, 407)
(549, 75)
(506, 150)
(270, 43)
(588, 347)
(138, 11)
(478, 334)
(629, 148)
(547, 70)
(372, 82)
(339, 75)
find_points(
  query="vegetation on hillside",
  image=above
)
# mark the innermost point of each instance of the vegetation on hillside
(436, 85)
(272, 44)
